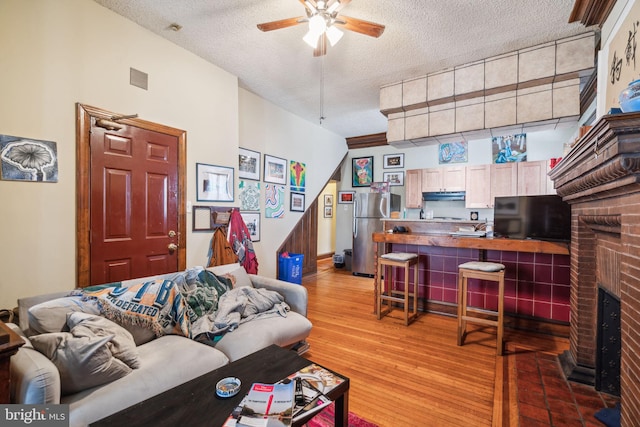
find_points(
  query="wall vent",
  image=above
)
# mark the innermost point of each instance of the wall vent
(138, 78)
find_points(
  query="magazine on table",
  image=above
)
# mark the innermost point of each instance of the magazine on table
(266, 405)
(318, 377)
(313, 402)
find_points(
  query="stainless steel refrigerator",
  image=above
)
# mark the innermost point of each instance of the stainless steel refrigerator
(368, 211)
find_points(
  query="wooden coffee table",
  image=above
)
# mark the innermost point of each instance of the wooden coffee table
(195, 402)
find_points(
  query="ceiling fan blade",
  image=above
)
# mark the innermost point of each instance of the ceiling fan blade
(321, 49)
(359, 26)
(283, 23)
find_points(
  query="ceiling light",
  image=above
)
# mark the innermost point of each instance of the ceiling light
(311, 39)
(334, 35)
(317, 24)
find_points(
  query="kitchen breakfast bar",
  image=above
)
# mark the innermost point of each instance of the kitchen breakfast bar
(537, 275)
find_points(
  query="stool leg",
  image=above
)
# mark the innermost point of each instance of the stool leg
(415, 289)
(461, 300)
(380, 292)
(406, 294)
(500, 315)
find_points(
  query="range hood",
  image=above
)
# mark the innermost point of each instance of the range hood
(440, 196)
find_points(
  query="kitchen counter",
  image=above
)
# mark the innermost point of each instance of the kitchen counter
(444, 239)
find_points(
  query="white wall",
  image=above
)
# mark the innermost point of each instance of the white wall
(327, 226)
(57, 53)
(540, 146)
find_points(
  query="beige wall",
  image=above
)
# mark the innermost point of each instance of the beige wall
(57, 53)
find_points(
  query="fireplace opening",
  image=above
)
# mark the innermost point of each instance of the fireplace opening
(608, 339)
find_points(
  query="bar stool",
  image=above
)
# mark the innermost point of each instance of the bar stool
(404, 260)
(484, 271)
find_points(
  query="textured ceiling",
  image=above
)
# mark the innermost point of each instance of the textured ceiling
(421, 36)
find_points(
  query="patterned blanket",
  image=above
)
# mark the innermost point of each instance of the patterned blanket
(195, 303)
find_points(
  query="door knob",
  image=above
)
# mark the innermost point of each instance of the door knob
(172, 233)
(172, 247)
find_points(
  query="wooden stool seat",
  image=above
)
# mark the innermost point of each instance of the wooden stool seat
(492, 271)
(404, 260)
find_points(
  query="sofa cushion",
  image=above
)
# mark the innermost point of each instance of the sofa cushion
(164, 363)
(259, 333)
(51, 316)
(90, 354)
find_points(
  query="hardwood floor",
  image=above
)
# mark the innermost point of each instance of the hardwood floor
(409, 376)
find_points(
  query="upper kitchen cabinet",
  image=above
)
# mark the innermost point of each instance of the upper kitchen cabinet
(504, 180)
(533, 179)
(478, 187)
(413, 188)
(449, 178)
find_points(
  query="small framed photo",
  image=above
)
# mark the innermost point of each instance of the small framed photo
(390, 161)
(361, 171)
(346, 197)
(275, 170)
(328, 199)
(394, 178)
(248, 164)
(328, 211)
(252, 221)
(297, 202)
(215, 183)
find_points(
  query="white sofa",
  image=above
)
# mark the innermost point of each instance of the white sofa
(165, 362)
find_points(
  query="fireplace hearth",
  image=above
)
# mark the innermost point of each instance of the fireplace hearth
(600, 179)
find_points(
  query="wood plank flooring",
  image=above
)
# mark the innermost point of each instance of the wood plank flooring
(413, 375)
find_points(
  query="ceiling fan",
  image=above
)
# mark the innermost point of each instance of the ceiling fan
(324, 21)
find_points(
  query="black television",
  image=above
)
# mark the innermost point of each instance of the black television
(545, 217)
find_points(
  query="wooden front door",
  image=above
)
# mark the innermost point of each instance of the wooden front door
(135, 187)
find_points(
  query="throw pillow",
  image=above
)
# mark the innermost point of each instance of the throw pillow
(122, 345)
(241, 277)
(95, 351)
(83, 362)
(51, 316)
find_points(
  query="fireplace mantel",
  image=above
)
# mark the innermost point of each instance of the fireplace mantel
(600, 179)
(603, 163)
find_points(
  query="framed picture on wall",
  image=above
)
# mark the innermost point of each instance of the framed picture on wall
(297, 202)
(215, 183)
(248, 164)
(275, 170)
(394, 178)
(361, 171)
(328, 211)
(390, 161)
(346, 197)
(328, 199)
(252, 221)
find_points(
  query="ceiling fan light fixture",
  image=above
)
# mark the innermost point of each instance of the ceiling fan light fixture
(311, 39)
(334, 35)
(317, 24)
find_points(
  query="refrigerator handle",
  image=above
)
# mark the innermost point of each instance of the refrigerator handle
(384, 206)
(354, 227)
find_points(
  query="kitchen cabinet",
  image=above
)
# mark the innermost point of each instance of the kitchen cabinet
(413, 188)
(533, 179)
(449, 178)
(504, 180)
(478, 188)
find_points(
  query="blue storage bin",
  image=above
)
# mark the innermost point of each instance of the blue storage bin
(290, 268)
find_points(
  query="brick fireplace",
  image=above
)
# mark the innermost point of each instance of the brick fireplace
(600, 178)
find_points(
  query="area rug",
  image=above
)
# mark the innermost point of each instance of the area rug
(327, 416)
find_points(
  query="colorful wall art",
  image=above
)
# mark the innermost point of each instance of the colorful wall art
(361, 171)
(24, 159)
(510, 148)
(249, 195)
(298, 174)
(274, 201)
(452, 152)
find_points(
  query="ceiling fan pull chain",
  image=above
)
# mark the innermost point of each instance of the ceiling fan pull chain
(322, 88)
